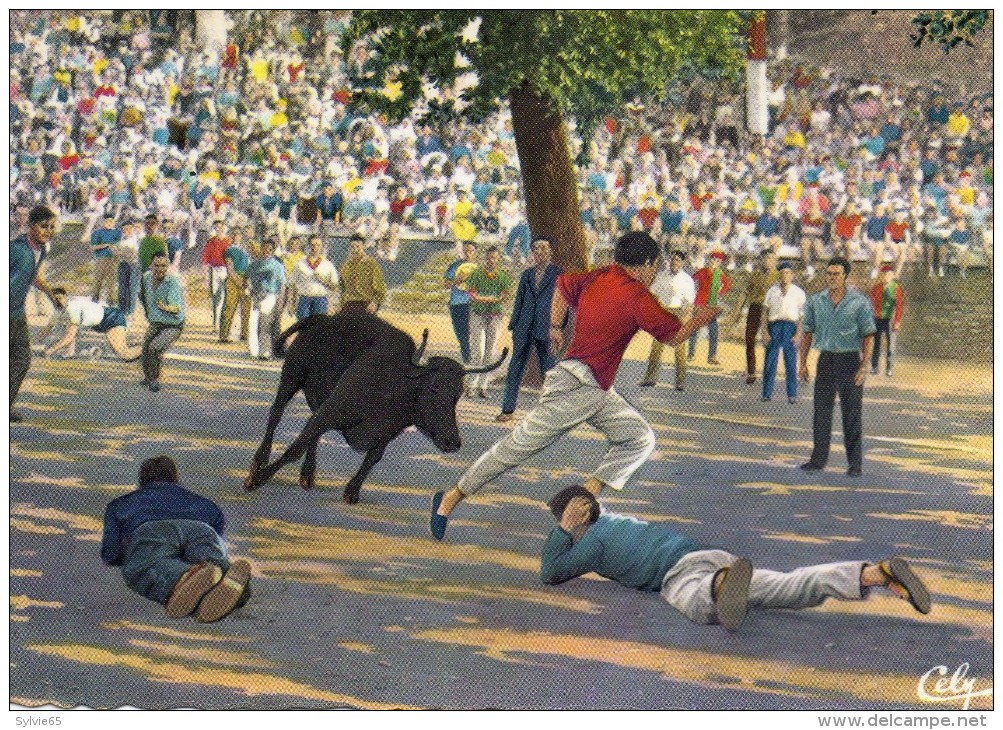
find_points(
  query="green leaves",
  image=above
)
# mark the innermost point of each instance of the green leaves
(587, 62)
(949, 28)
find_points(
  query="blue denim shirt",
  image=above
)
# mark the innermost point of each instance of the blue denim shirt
(841, 328)
(171, 293)
(153, 501)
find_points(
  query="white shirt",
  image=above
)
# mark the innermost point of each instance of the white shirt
(788, 307)
(309, 282)
(674, 290)
(83, 312)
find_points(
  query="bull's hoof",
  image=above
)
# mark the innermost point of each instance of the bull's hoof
(350, 497)
(249, 484)
(306, 481)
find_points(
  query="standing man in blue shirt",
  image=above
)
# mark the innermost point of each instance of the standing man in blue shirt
(266, 277)
(840, 321)
(706, 586)
(459, 298)
(164, 304)
(27, 254)
(103, 243)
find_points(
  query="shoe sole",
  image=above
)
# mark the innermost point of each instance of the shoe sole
(222, 599)
(919, 596)
(733, 596)
(190, 590)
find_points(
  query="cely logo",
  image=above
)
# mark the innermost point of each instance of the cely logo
(937, 686)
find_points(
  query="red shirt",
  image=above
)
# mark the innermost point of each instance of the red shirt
(611, 306)
(846, 225)
(68, 161)
(648, 217)
(214, 249)
(897, 230)
(704, 279)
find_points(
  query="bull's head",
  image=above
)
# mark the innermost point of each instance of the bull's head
(439, 388)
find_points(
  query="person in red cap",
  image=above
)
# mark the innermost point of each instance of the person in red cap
(712, 284)
(889, 302)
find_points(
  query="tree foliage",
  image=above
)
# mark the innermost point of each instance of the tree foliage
(586, 62)
(949, 28)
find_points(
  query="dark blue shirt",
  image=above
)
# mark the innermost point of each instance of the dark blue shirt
(23, 270)
(767, 225)
(153, 501)
(876, 227)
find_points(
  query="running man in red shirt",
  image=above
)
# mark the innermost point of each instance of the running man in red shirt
(215, 266)
(611, 305)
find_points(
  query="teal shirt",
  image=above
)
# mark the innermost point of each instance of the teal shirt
(169, 292)
(841, 328)
(632, 552)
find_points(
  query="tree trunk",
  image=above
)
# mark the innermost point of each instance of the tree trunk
(548, 177)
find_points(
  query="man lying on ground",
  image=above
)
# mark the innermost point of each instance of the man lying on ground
(72, 313)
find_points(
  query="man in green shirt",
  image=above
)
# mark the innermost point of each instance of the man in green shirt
(488, 287)
(163, 301)
(760, 281)
(151, 244)
(362, 282)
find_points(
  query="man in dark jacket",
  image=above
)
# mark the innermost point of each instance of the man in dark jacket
(530, 323)
(706, 585)
(27, 255)
(169, 543)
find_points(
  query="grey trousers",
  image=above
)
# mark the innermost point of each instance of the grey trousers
(571, 396)
(158, 338)
(159, 552)
(687, 585)
(20, 354)
(484, 330)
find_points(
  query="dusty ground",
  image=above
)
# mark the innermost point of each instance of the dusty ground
(359, 607)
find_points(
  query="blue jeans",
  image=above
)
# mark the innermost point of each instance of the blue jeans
(521, 350)
(460, 315)
(711, 336)
(519, 235)
(158, 553)
(309, 306)
(781, 338)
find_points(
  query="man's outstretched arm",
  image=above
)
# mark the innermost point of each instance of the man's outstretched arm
(563, 559)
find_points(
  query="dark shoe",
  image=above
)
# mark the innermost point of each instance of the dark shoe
(16, 417)
(812, 466)
(438, 522)
(765, 399)
(481, 393)
(154, 387)
(223, 599)
(731, 594)
(792, 399)
(679, 388)
(646, 383)
(750, 379)
(902, 581)
(504, 417)
(713, 361)
(874, 371)
(191, 587)
(853, 471)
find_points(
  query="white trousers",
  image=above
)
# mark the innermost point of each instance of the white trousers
(571, 396)
(259, 333)
(484, 330)
(217, 288)
(687, 585)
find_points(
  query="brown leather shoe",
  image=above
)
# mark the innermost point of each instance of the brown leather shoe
(222, 599)
(191, 587)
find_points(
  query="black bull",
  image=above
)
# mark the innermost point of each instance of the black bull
(360, 376)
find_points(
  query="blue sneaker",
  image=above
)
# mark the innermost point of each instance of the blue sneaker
(438, 523)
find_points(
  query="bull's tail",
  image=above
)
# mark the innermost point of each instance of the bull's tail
(279, 343)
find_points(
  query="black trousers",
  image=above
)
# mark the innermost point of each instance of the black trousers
(884, 329)
(20, 354)
(836, 371)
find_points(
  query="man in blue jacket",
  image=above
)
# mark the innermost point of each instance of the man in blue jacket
(707, 586)
(27, 254)
(530, 323)
(169, 543)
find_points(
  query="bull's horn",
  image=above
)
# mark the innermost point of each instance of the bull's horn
(416, 358)
(488, 368)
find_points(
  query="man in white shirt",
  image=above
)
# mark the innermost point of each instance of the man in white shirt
(676, 291)
(72, 313)
(314, 278)
(784, 305)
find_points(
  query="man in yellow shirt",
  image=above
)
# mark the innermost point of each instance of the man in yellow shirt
(362, 282)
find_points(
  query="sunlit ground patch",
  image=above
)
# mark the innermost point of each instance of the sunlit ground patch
(811, 539)
(25, 573)
(169, 632)
(211, 654)
(239, 681)
(71, 482)
(356, 647)
(21, 603)
(704, 669)
(91, 527)
(948, 518)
